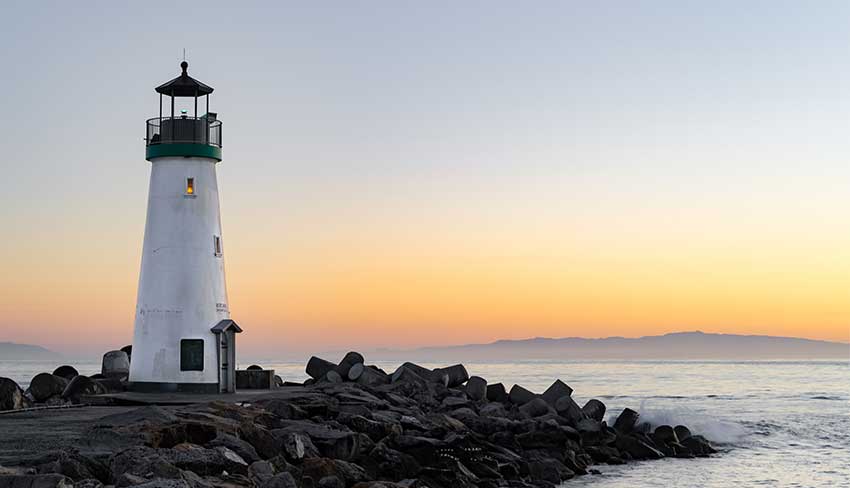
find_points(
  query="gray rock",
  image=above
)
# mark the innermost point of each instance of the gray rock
(698, 445)
(457, 375)
(493, 409)
(263, 441)
(476, 388)
(80, 386)
(665, 434)
(260, 472)
(555, 391)
(318, 468)
(350, 359)
(368, 376)
(45, 385)
(11, 395)
(497, 393)
(521, 396)
(240, 446)
(67, 372)
(330, 482)
(537, 407)
(128, 349)
(594, 409)
(317, 367)
(333, 377)
(115, 363)
(280, 480)
(626, 422)
(35, 481)
(549, 470)
(682, 432)
(637, 448)
(569, 409)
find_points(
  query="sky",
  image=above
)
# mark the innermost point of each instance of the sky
(400, 173)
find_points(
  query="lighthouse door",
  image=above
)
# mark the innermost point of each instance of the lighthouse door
(224, 358)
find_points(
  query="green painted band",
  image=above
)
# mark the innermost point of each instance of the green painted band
(196, 150)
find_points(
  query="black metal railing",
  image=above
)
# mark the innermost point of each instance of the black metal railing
(183, 130)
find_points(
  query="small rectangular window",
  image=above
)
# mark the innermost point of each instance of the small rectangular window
(192, 355)
(190, 186)
(217, 245)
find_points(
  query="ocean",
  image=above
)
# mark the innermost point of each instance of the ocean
(777, 423)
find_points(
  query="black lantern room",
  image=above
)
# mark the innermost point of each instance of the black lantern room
(181, 134)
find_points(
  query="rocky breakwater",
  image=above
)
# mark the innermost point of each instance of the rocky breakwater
(65, 386)
(355, 425)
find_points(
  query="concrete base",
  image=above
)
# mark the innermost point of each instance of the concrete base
(153, 387)
(255, 379)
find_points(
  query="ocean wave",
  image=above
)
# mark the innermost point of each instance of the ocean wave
(716, 430)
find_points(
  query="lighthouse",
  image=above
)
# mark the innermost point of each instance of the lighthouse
(184, 339)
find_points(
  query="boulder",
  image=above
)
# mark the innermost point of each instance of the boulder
(205, 462)
(476, 388)
(497, 393)
(457, 375)
(555, 391)
(549, 470)
(254, 367)
(81, 385)
(493, 409)
(11, 395)
(67, 372)
(420, 371)
(330, 482)
(240, 446)
(115, 363)
(698, 445)
(569, 409)
(665, 434)
(318, 468)
(278, 381)
(368, 376)
(46, 385)
(682, 432)
(521, 396)
(626, 422)
(35, 481)
(637, 448)
(317, 367)
(128, 349)
(594, 409)
(537, 407)
(280, 480)
(260, 438)
(333, 377)
(350, 359)
(296, 446)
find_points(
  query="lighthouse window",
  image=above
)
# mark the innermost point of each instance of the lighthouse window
(217, 245)
(192, 355)
(190, 186)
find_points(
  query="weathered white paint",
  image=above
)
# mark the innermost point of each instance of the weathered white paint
(182, 292)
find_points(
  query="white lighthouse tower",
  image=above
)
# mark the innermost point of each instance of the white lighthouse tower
(183, 339)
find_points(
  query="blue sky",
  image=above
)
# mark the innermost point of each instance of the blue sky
(715, 130)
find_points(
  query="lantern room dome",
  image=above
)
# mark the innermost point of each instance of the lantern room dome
(184, 85)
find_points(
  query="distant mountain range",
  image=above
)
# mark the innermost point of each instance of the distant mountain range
(680, 345)
(12, 351)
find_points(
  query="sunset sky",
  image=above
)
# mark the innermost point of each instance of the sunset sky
(399, 174)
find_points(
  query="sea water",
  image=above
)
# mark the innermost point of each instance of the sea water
(776, 423)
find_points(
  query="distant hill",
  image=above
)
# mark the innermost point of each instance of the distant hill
(12, 351)
(680, 345)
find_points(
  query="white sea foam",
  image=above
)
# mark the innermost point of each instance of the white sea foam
(714, 429)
